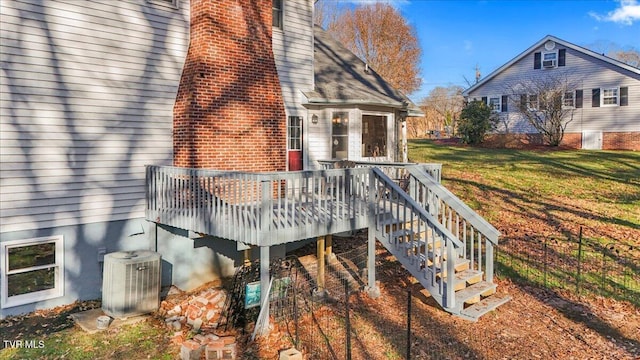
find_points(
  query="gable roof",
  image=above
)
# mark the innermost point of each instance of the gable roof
(557, 41)
(341, 78)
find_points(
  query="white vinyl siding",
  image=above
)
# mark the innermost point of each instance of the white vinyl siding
(87, 93)
(293, 53)
(587, 73)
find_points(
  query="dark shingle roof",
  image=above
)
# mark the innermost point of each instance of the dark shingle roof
(342, 78)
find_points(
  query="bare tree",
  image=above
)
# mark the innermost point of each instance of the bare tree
(629, 57)
(421, 126)
(380, 36)
(628, 54)
(326, 12)
(446, 104)
(547, 103)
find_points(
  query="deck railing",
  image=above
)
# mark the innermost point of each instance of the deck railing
(396, 171)
(258, 208)
(425, 247)
(478, 236)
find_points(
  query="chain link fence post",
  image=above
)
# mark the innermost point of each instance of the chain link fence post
(545, 265)
(347, 321)
(409, 324)
(578, 275)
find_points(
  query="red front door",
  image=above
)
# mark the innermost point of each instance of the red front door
(294, 143)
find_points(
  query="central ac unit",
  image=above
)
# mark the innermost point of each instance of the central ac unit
(131, 283)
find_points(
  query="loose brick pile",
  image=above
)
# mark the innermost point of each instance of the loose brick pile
(195, 317)
(199, 311)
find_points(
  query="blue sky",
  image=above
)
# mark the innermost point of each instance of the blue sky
(455, 36)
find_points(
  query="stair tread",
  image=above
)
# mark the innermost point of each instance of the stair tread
(474, 290)
(467, 274)
(484, 306)
(401, 232)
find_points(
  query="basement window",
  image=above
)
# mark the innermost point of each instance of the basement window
(32, 270)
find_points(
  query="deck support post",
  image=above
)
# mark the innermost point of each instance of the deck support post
(372, 288)
(264, 287)
(329, 255)
(320, 243)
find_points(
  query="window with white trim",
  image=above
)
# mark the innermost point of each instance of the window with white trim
(166, 3)
(277, 14)
(32, 270)
(610, 96)
(549, 59)
(340, 135)
(494, 103)
(569, 99)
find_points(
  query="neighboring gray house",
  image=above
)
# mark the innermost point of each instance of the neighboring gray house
(604, 93)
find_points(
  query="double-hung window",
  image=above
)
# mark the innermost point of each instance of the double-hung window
(32, 270)
(166, 3)
(277, 14)
(494, 103)
(569, 99)
(610, 96)
(549, 59)
(532, 102)
(340, 135)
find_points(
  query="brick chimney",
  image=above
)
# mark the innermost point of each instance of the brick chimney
(229, 112)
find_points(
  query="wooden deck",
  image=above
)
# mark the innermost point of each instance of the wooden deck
(265, 209)
(427, 228)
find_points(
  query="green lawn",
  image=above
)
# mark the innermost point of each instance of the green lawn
(541, 200)
(546, 192)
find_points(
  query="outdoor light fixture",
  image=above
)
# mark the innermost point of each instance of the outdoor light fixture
(314, 119)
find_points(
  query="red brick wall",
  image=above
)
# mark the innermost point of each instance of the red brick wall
(572, 140)
(610, 141)
(621, 141)
(229, 112)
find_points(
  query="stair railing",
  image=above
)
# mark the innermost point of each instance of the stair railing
(393, 209)
(478, 236)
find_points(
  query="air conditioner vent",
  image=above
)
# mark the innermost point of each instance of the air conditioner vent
(549, 63)
(131, 283)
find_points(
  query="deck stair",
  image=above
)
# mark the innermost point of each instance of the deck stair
(428, 244)
(443, 243)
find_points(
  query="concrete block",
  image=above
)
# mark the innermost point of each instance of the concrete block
(190, 350)
(290, 354)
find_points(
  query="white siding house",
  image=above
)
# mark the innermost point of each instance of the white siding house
(355, 114)
(86, 97)
(293, 52)
(604, 93)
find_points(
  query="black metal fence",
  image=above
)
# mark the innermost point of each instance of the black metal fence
(583, 266)
(327, 325)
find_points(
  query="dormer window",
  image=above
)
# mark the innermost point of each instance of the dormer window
(549, 60)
